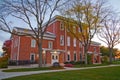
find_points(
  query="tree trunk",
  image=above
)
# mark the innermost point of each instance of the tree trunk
(85, 53)
(40, 54)
(86, 62)
(111, 55)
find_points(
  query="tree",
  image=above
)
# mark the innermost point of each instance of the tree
(33, 13)
(105, 51)
(109, 33)
(86, 16)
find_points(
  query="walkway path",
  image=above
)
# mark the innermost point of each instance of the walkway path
(4, 75)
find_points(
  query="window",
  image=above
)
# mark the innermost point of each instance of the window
(94, 49)
(75, 56)
(61, 26)
(33, 43)
(50, 45)
(74, 42)
(61, 40)
(68, 56)
(32, 57)
(80, 56)
(68, 41)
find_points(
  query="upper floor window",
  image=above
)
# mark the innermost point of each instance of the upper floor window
(50, 44)
(61, 26)
(68, 41)
(61, 40)
(74, 42)
(33, 43)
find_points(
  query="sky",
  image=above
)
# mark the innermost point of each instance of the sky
(115, 4)
(6, 36)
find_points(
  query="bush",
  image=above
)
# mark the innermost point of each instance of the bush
(105, 59)
(68, 65)
(66, 62)
(56, 64)
(3, 65)
(75, 63)
(72, 62)
(4, 62)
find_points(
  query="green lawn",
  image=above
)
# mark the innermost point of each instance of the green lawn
(108, 73)
(50, 68)
(32, 69)
(89, 65)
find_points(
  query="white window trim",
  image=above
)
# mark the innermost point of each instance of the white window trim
(50, 43)
(76, 56)
(68, 40)
(62, 43)
(33, 43)
(68, 53)
(81, 56)
(74, 42)
(32, 54)
(61, 26)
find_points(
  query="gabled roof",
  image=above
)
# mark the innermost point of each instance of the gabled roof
(95, 43)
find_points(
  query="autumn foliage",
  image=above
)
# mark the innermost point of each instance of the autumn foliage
(6, 54)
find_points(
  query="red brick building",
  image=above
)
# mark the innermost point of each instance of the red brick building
(58, 46)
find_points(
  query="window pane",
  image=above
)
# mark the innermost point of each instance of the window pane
(32, 57)
(50, 45)
(61, 26)
(74, 42)
(61, 40)
(68, 57)
(33, 43)
(75, 57)
(68, 41)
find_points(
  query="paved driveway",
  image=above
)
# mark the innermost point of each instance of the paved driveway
(4, 75)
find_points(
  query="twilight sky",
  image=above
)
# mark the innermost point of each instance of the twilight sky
(5, 36)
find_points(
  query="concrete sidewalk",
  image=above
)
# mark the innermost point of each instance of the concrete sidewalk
(4, 75)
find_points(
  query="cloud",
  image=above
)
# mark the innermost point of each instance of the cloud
(3, 37)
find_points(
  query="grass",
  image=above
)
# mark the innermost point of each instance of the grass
(49, 68)
(89, 65)
(116, 62)
(108, 73)
(32, 69)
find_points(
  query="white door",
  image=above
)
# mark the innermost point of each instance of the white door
(55, 58)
